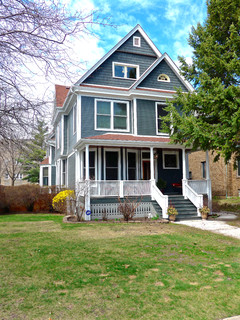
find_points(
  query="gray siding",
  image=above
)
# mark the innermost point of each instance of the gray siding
(104, 76)
(53, 177)
(53, 154)
(65, 135)
(58, 150)
(87, 120)
(71, 172)
(144, 49)
(146, 117)
(151, 80)
(72, 138)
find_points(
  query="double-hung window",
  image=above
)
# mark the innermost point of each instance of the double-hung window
(111, 115)
(126, 71)
(160, 112)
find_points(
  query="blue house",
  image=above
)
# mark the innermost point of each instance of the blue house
(107, 140)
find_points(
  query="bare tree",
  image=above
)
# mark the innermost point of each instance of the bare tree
(34, 37)
(10, 153)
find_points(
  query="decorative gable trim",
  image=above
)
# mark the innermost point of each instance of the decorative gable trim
(104, 58)
(171, 64)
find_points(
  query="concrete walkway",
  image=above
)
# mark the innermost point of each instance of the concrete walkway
(216, 226)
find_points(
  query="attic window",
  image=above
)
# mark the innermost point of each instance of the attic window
(136, 41)
(126, 71)
(163, 77)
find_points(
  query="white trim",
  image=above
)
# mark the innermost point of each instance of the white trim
(99, 172)
(111, 115)
(95, 163)
(62, 134)
(79, 116)
(58, 135)
(134, 43)
(125, 65)
(176, 152)
(124, 162)
(74, 118)
(156, 118)
(104, 58)
(119, 161)
(135, 116)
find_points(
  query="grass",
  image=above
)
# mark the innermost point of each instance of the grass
(115, 271)
(226, 204)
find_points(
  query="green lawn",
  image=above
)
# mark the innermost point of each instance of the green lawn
(115, 271)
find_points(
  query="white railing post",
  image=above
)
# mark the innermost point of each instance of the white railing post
(87, 199)
(121, 189)
(161, 199)
(184, 179)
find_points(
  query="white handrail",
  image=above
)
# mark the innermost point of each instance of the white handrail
(194, 197)
(161, 199)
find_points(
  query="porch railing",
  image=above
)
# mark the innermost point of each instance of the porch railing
(199, 186)
(194, 197)
(161, 199)
(119, 188)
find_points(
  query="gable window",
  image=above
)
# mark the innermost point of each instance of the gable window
(170, 160)
(126, 71)
(160, 112)
(136, 41)
(111, 115)
(163, 77)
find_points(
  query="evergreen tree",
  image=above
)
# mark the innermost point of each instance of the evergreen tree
(35, 153)
(209, 117)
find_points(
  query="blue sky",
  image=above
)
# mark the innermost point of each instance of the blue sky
(167, 23)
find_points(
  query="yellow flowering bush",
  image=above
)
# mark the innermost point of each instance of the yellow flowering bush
(59, 202)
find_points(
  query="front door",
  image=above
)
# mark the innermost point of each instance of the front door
(146, 169)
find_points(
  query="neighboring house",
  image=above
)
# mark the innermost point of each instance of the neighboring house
(225, 178)
(108, 136)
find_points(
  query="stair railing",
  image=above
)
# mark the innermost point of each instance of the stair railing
(160, 198)
(194, 197)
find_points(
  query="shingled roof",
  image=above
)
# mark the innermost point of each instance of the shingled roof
(61, 94)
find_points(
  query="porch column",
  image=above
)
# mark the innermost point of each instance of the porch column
(184, 179)
(81, 165)
(209, 188)
(124, 163)
(87, 184)
(151, 164)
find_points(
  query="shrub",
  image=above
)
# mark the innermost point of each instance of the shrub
(59, 202)
(172, 211)
(127, 207)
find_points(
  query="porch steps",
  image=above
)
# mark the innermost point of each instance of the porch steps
(186, 210)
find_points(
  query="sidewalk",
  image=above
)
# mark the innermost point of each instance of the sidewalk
(215, 226)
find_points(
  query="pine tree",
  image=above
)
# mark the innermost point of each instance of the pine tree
(209, 117)
(35, 153)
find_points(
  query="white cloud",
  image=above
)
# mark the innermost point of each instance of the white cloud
(141, 3)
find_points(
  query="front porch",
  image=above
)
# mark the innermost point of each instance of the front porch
(117, 171)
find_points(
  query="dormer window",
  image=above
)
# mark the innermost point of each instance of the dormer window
(163, 77)
(126, 71)
(136, 41)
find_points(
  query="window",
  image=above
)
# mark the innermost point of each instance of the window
(19, 176)
(132, 166)
(7, 176)
(160, 112)
(111, 165)
(92, 159)
(203, 167)
(64, 164)
(136, 41)
(74, 118)
(163, 77)
(45, 176)
(126, 71)
(170, 160)
(238, 168)
(111, 115)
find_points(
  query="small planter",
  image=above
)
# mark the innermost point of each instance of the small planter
(204, 212)
(172, 217)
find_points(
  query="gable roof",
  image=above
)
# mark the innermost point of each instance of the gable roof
(171, 64)
(61, 93)
(120, 43)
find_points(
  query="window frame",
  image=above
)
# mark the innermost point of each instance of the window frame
(158, 133)
(134, 44)
(176, 152)
(203, 169)
(105, 160)
(95, 164)
(137, 165)
(125, 65)
(43, 176)
(111, 115)
(163, 74)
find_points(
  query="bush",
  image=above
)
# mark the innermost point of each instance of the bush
(59, 202)
(127, 207)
